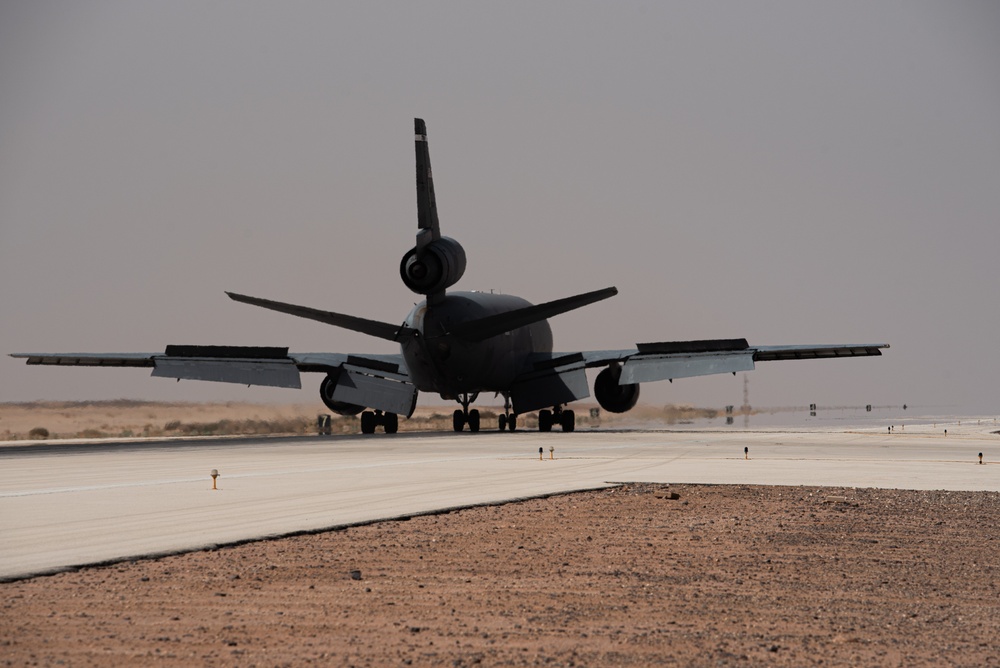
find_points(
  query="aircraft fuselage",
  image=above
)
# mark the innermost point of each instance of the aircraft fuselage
(450, 366)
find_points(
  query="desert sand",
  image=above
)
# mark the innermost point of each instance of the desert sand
(719, 575)
(129, 419)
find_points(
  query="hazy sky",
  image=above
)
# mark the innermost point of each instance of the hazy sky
(788, 172)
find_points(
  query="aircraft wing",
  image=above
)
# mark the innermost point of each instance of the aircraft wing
(560, 377)
(270, 366)
(649, 362)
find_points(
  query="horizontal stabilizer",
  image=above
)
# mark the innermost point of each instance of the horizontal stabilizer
(494, 325)
(382, 330)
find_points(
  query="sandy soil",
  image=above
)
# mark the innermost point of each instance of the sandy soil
(125, 418)
(724, 575)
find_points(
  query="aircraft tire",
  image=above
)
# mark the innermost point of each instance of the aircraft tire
(512, 423)
(458, 420)
(568, 420)
(391, 422)
(473, 420)
(502, 420)
(544, 420)
(368, 422)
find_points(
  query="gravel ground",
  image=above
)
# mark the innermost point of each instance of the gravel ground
(721, 576)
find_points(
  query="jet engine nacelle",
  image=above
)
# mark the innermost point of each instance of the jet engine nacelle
(438, 266)
(613, 397)
(326, 389)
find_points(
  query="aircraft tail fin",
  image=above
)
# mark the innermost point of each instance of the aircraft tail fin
(435, 263)
(493, 325)
(428, 229)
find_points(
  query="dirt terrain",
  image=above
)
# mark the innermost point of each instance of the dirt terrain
(721, 575)
(125, 418)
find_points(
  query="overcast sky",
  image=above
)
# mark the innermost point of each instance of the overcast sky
(788, 172)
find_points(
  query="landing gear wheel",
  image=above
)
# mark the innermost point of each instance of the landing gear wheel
(391, 423)
(567, 420)
(503, 421)
(544, 420)
(458, 419)
(512, 423)
(368, 422)
(473, 420)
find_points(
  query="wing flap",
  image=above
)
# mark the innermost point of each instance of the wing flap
(645, 368)
(550, 385)
(384, 391)
(272, 373)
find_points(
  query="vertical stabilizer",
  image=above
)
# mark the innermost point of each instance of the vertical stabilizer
(427, 216)
(436, 262)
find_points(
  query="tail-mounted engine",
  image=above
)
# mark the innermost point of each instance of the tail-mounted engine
(613, 397)
(433, 268)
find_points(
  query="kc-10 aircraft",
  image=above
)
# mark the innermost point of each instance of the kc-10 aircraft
(457, 345)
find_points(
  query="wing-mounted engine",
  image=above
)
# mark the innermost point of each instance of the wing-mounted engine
(361, 382)
(435, 267)
(327, 390)
(613, 397)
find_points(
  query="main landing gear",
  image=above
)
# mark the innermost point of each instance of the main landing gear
(463, 416)
(507, 420)
(564, 418)
(372, 419)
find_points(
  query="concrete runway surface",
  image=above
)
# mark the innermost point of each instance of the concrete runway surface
(66, 505)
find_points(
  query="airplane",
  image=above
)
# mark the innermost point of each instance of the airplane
(457, 345)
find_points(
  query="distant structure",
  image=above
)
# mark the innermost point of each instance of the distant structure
(746, 401)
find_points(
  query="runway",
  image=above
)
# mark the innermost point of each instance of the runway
(65, 505)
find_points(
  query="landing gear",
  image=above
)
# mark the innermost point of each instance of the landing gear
(568, 420)
(372, 419)
(544, 420)
(463, 416)
(564, 418)
(507, 420)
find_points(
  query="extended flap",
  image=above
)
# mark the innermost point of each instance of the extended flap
(354, 386)
(549, 387)
(273, 373)
(648, 368)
